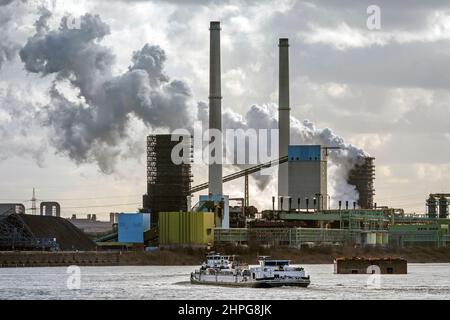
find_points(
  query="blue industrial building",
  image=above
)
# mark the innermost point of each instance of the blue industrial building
(307, 168)
(132, 227)
(305, 153)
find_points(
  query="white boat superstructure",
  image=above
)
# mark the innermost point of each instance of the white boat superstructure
(224, 270)
(218, 261)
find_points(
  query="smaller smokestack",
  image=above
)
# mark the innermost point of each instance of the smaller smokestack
(298, 204)
(307, 205)
(215, 108)
(346, 205)
(283, 116)
(340, 205)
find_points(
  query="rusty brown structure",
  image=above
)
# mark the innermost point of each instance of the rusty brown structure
(168, 184)
(358, 265)
(362, 177)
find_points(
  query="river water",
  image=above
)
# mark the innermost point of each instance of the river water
(423, 281)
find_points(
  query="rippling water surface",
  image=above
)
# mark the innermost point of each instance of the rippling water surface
(423, 281)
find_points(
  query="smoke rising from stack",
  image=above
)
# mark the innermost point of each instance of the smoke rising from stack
(340, 162)
(92, 127)
(17, 122)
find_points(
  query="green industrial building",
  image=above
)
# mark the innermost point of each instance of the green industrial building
(186, 228)
(382, 227)
(433, 234)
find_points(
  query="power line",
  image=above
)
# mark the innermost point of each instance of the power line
(70, 199)
(105, 206)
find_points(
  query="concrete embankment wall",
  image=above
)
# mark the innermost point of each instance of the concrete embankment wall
(13, 259)
(194, 257)
(54, 259)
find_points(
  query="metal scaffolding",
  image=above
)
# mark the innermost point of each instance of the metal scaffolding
(292, 237)
(168, 184)
(362, 177)
(15, 235)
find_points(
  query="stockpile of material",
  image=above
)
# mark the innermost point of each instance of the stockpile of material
(66, 234)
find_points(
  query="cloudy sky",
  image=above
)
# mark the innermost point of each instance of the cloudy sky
(75, 107)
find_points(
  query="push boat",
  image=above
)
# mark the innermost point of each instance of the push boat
(223, 270)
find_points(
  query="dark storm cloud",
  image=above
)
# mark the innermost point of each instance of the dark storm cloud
(5, 2)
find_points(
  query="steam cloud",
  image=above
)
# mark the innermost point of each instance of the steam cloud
(5, 2)
(91, 127)
(8, 46)
(341, 161)
(17, 119)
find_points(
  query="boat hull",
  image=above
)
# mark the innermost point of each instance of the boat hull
(253, 283)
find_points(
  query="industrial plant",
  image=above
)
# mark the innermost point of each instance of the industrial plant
(301, 214)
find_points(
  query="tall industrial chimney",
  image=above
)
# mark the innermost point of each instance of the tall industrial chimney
(215, 107)
(283, 117)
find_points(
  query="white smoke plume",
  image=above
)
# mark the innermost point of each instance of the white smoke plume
(91, 127)
(17, 122)
(341, 161)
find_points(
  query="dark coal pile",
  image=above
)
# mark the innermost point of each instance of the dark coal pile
(67, 235)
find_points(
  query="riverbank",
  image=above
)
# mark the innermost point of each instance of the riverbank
(187, 256)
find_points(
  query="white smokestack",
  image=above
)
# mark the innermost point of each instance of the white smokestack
(283, 119)
(215, 106)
